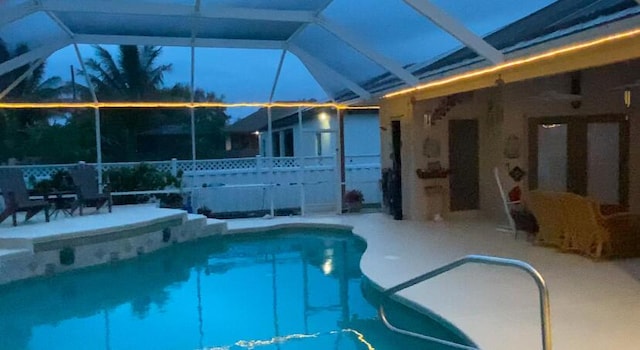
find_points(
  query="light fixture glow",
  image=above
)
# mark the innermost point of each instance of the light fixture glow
(627, 97)
(517, 62)
(161, 104)
(551, 126)
(327, 264)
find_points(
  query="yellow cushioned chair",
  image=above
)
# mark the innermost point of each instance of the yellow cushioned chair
(548, 209)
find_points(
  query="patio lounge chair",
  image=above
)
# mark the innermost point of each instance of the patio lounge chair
(85, 180)
(16, 197)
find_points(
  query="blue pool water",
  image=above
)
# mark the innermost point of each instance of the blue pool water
(297, 289)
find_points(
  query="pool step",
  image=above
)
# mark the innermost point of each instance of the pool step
(198, 226)
(214, 227)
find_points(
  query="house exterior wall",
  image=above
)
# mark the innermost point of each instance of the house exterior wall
(601, 95)
(361, 136)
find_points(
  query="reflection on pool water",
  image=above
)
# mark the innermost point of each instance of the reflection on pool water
(291, 289)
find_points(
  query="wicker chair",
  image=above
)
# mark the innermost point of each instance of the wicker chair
(548, 209)
(598, 236)
(16, 197)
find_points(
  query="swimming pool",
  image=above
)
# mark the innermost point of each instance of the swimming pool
(289, 289)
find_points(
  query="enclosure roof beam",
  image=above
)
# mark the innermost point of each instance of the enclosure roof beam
(456, 29)
(277, 77)
(24, 75)
(164, 9)
(385, 62)
(30, 56)
(177, 41)
(306, 58)
(17, 12)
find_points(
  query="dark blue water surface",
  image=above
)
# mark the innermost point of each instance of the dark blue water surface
(293, 289)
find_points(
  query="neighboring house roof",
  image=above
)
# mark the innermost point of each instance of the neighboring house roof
(258, 120)
(280, 117)
(559, 19)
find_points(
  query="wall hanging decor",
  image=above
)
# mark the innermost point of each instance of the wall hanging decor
(512, 147)
(431, 148)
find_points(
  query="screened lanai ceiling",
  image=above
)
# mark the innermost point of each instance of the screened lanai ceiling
(348, 50)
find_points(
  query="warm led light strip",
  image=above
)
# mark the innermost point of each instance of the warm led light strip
(518, 62)
(53, 105)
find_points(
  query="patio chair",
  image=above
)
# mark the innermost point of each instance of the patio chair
(548, 209)
(16, 197)
(599, 236)
(85, 180)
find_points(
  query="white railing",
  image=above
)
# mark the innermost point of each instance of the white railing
(246, 184)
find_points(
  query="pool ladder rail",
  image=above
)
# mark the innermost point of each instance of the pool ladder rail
(545, 309)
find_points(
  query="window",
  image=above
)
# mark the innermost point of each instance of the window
(276, 143)
(586, 155)
(318, 144)
(288, 143)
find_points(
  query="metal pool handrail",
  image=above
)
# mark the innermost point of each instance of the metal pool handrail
(545, 308)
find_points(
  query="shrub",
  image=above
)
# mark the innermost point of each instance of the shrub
(144, 177)
(353, 196)
(59, 181)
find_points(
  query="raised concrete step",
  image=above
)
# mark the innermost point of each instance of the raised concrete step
(214, 227)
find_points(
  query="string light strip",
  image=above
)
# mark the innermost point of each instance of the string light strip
(160, 104)
(518, 62)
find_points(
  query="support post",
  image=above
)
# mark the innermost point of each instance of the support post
(193, 117)
(301, 161)
(270, 154)
(96, 119)
(193, 128)
(339, 165)
(343, 175)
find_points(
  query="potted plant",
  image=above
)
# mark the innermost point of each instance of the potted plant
(353, 200)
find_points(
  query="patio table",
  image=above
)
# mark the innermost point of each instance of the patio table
(61, 201)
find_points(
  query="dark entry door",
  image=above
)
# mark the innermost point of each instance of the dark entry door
(463, 162)
(396, 171)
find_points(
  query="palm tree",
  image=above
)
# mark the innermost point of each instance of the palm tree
(210, 123)
(133, 76)
(15, 124)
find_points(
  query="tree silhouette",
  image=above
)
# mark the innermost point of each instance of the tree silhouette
(16, 126)
(143, 134)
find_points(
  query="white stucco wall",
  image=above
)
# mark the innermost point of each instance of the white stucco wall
(601, 94)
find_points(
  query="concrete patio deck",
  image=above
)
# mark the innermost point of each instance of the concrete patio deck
(594, 305)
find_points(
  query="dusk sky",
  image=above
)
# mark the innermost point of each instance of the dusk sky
(388, 26)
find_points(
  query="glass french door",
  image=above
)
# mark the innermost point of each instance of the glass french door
(587, 155)
(552, 157)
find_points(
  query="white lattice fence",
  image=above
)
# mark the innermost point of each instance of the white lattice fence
(217, 164)
(246, 184)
